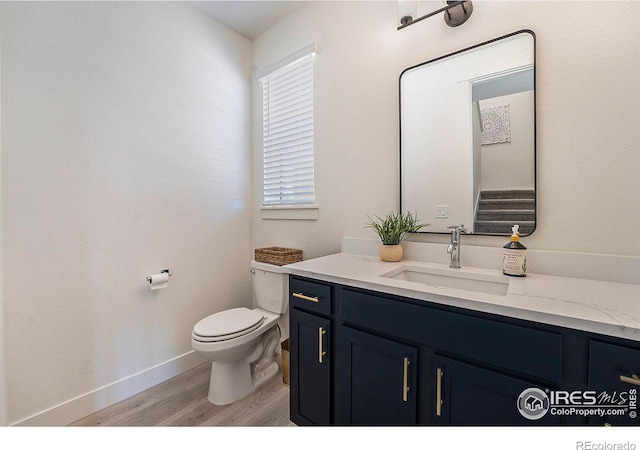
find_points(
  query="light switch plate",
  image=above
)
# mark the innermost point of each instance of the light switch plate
(442, 212)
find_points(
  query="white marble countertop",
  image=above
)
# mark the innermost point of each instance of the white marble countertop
(602, 307)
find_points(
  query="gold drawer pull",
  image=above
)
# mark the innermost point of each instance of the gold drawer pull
(305, 297)
(633, 379)
(439, 400)
(321, 353)
(405, 380)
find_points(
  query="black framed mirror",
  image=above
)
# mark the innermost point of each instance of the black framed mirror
(468, 138)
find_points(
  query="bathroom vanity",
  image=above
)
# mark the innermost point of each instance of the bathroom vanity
(414, 342)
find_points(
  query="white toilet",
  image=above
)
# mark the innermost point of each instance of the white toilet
(242, 342)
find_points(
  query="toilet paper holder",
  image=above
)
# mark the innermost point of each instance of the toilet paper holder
(162, 271)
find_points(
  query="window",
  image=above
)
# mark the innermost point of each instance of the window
(288, 133)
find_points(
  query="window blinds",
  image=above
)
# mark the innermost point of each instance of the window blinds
(287, 102)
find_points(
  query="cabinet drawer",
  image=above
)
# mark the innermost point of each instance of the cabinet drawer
(310, 296)
(527, 351)
(615, 369)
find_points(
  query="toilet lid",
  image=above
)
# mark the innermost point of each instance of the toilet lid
(229, 323)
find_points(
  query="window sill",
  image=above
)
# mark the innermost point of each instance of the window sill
(289, 212)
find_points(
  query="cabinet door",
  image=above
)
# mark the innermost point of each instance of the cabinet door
(378, 380)
(310, 368)
(470, 395)
(614, 374)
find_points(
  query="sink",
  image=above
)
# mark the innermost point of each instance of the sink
(452, 278)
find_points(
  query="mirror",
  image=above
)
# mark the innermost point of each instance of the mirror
(468, 138)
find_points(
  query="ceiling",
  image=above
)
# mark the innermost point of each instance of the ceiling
(247, 18)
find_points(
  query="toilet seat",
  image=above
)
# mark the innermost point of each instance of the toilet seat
(228, 324)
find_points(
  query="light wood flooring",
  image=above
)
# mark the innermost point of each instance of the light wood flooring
(182, 401)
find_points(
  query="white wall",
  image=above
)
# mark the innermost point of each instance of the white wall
(125, 150)
(507, 165)
(588, 110)
(3, 401)
(437, 163)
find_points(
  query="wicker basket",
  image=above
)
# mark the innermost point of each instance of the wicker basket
(278, 255)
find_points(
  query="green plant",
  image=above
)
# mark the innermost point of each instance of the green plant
(395, 226)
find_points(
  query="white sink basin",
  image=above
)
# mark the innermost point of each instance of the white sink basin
(452, 278)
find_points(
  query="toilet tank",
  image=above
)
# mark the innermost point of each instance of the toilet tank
(270, 286)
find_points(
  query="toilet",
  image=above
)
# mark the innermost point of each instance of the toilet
(242, 342)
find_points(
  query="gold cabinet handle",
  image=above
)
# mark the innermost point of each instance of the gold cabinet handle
(321, 353)
(305, 297)
(405, 380)
(439, 400)
(633, 379)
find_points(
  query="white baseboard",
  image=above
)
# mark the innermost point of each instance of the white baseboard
(86, 404)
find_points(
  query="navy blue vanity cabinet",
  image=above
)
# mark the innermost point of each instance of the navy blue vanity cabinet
(392, 360)
(310, 352)
(378, 380)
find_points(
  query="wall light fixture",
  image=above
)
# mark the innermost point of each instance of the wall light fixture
(455, 13)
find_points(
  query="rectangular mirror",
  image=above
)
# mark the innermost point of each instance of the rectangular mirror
(468, 138)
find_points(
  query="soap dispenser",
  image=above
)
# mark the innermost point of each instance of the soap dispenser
(514, 259)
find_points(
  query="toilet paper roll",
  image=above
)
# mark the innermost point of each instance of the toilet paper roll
(159, 281)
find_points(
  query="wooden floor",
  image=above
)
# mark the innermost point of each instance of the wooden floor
(182, 401)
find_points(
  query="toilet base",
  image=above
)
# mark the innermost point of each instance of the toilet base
(232, 381)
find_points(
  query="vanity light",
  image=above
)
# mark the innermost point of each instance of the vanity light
(455, 13)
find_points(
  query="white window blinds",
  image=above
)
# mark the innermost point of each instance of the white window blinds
(287, 112)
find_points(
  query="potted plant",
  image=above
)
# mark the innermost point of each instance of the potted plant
(393, 229)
